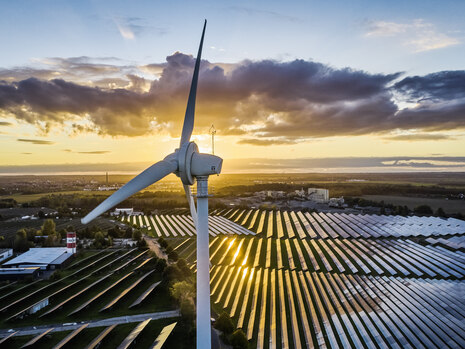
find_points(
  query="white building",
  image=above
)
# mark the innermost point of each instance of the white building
(44, 258)
(5, 253)
(123, 211)
(318, 194)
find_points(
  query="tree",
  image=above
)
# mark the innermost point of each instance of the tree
(162, 242)
(440, 212)
(160, 265)
(99, 238)
(173, 255)
(183, 267)
(423, 210)
(136, 235)
(41, 214)
(182, 291)
(239, 340)
(224, 323)
(187, 309)
(172, 273)
(48, 228)
(20, 243)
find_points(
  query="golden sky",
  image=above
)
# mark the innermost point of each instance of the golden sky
(102, 99)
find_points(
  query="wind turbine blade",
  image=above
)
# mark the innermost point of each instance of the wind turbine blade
(149, 176)
(190, 200)
(190, 110)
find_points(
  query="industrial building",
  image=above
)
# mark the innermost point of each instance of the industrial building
(318, 194)
(14, 274)
(46, 258)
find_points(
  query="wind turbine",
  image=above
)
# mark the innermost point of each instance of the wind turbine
(190, 165)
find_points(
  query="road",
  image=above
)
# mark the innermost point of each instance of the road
(24, 331)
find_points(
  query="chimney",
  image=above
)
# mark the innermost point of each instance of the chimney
(71, 242)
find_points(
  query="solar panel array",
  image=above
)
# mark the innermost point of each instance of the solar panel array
(183, 226)
(338, 280)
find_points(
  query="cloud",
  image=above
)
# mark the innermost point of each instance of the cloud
(418, 34)
(5, 123)
(26, 153)
(97, 152)
(419, 137)
(35, 141)
(267, 141)
(131, 27)
(261, 102)
(259, 165)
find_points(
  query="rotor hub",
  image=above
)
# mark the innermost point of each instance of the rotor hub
(184, 162)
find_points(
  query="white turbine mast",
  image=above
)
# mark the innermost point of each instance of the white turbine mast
(190, 165)
(212, 131)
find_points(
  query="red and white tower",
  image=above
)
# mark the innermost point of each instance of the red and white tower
(71, 242)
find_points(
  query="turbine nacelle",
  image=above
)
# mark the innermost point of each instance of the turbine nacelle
(191, 163)
(205, 164)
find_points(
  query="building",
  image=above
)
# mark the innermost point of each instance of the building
(337, 202)
(46, 258)
(318, 194)
(123, 211)
(14, 274)
(5, 253)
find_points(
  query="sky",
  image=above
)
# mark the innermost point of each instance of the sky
(106, 82)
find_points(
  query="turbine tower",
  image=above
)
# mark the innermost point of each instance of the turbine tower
(212, 131)
(190, 165)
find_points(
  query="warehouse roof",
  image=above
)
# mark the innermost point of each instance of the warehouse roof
(44, 256)
(17, 271)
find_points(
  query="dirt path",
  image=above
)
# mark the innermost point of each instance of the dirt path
(155, 247)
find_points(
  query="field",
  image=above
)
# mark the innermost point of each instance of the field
(449, 206)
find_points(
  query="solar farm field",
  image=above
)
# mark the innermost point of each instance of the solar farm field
(113, 291)
(296, 279)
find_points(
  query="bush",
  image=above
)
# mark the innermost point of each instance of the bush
(239, 340)
(224, 323)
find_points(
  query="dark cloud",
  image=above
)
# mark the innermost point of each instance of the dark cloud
(35, 141)
(266, 102)
(441, 86)
(26, 153)
(5, 123)
(419, 137)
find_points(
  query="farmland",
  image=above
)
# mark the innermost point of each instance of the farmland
(449, 206)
